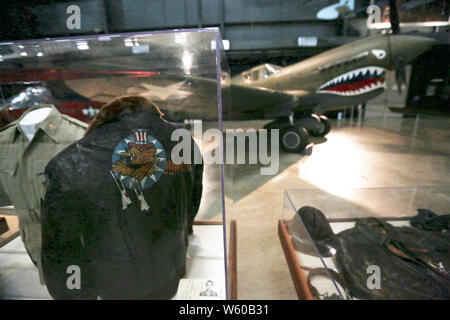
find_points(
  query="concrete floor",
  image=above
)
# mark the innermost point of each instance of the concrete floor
(384, 151)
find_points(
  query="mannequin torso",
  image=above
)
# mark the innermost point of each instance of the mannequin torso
(30, 122)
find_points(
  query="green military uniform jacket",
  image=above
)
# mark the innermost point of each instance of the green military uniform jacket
(22, 165)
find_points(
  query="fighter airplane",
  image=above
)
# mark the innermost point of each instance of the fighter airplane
(344, 76)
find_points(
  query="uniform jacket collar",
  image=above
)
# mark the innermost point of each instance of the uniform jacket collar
(51, 125)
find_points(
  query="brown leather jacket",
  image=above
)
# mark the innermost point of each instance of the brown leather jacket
(119, 209)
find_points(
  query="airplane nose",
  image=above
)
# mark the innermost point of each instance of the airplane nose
(409, 47)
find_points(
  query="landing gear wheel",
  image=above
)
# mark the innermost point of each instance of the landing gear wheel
(327, 124)
(322, 128)
(294, 139)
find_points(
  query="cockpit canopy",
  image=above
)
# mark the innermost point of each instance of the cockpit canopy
(260, 72)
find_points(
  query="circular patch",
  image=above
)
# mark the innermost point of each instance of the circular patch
(139, 160)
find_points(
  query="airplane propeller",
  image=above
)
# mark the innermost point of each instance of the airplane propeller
(399, 61)
(400, 72)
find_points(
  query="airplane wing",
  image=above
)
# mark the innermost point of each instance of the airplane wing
(190, 97)
(255, 102)
(179, 96)
(298, 93)
(42, 75)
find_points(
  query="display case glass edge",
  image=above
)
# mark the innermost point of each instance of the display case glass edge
(88, 52)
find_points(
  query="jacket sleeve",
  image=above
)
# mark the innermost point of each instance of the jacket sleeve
(197, 188)
(65, 265)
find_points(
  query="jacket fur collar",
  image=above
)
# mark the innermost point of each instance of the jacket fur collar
(112, 111)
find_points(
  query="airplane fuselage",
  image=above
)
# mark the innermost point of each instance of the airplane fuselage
(344, 76)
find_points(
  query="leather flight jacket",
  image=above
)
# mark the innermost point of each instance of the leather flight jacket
(413, 264)
(376, 260)
(118, 212)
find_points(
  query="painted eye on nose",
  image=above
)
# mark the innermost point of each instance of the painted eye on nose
(379, 54)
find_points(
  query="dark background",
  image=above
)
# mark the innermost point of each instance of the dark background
(257, 29)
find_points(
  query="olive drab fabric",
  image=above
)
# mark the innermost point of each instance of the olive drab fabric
(22, 165)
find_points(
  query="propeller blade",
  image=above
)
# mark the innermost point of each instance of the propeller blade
(393, 17)
(400, 72)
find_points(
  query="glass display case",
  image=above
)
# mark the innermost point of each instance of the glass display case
(181, 72)
(367, 243)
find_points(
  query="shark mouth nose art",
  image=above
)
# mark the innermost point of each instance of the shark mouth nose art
(355, 82)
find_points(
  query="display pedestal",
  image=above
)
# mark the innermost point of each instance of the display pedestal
(205, 261)
(294, 264)
(12, 232)
(3, 225)
(232, 261)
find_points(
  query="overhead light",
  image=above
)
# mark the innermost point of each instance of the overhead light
(23, 54)
(225, 44)
(144, 48)
(307, 41)
(180, 38)
(187, 62)
(380, 25)
(20, 46)
(82, 45)
(128, 42)
(39, 54)
(333, 11)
